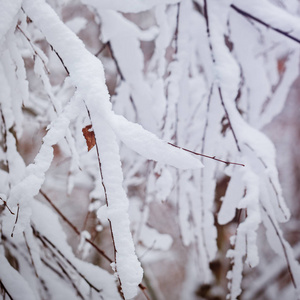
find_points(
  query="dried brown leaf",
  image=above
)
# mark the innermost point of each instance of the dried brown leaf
(89, 136)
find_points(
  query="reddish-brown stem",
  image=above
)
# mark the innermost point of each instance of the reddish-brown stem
(5, 204)
(207, 156)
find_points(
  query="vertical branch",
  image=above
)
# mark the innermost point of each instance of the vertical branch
(228, 118)
(202, 171)
(16, 220)
(4, 129)
(177, 29)
(106, 201)
(122, 77)
(219, 86)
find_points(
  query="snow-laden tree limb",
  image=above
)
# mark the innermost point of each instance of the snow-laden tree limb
(86, 73)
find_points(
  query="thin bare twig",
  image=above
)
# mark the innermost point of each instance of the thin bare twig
(202, 200)
(70, 279)
(101, 49)
(122, 77)
(12, 233)
(47, 264)
(61, 60)
(143, 289)
(219, 87)
(75, 229)
(5, 141)
(30, 255)
(282, 244)
(228, 118)
(2, 286)
(177, 28)
(248, 15)
(207, 156)
(33, 48)
(5, 204)
(270, 180)
(48, 242)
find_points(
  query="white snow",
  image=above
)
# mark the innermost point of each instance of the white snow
(13, 282)
(130, 6)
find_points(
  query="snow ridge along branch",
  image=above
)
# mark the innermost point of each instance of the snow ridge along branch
(87, 75)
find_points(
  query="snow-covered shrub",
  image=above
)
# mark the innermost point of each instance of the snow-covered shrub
(134, 113)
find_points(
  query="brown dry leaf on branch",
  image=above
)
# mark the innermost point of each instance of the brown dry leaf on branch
(89, 136)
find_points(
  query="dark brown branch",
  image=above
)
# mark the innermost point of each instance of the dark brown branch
(283, 246)
(101, 49)
(51, 268)
(5, 204)
(115, 61)
(208, 31)
(143, 289)
(121, 76)
(61, 60)
(5, 140)
(2, 286)
(75, 228)
(248, 15)
(17, 217)
(33, 48)
(227, 116)
(207, 156)
(177, 28)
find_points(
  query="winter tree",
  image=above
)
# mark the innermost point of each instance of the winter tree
(135, 161)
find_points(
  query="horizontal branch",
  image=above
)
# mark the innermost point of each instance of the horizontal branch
(208, 156)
